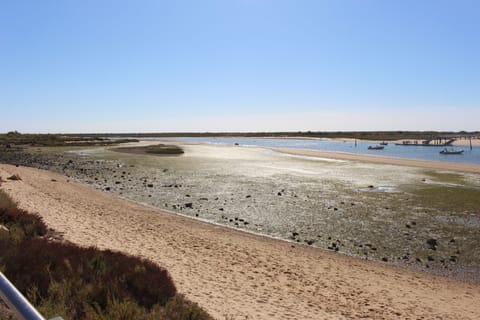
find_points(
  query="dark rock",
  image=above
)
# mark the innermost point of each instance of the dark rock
(203, 199)
(408, 226)
(430, 258)
(384, 259)
(189, 205)
(432, 243)
(279, 194)
(150, 185)
(249, 196)
(294, 234)
(221, 209)
(107, 188)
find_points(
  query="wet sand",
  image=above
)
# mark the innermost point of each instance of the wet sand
(235, 274)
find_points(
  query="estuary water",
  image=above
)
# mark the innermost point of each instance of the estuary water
(361, 147)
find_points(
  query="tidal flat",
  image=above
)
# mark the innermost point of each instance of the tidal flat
(415, 217)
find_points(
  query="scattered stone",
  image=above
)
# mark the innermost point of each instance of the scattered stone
(249, 196)
(203, 199)
(3, 230)
(279, 194)
(14, 177)
(107, 188)
(150, 185)
(189, 205)
(384, 259)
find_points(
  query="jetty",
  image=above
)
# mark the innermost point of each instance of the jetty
(444, 140)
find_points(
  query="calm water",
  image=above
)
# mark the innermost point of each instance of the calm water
(391, 150)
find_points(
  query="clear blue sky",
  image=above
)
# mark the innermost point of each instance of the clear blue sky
(239, 65)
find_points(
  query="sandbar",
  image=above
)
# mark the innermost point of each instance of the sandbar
(436, 165)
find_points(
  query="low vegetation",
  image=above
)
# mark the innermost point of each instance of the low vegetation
(158, 149)
(15, 139)
(62, 279)
(362, 135)
(164, 149)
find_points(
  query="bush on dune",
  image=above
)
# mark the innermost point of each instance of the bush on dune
(85, 283)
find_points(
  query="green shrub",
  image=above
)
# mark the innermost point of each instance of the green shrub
(85, 283)
(164, 149)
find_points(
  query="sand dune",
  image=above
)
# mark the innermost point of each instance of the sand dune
(238, 275)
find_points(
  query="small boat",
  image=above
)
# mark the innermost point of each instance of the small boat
(384, 143)
(377, 147)
(446, 151)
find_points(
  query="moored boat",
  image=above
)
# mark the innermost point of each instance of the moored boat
(377, 147)
(446, 151)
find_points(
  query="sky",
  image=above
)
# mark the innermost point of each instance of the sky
(239, 65)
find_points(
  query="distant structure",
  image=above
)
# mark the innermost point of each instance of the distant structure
(443, 140)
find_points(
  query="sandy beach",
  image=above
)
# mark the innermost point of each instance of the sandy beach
(237, 275)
